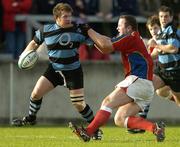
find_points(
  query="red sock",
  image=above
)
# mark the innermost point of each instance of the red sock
(99, 120)
(140, 123)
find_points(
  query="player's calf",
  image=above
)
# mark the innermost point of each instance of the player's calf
(142, 114)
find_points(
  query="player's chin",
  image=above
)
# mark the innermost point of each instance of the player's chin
(68, 23)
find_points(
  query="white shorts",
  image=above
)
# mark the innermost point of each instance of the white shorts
(140, 90)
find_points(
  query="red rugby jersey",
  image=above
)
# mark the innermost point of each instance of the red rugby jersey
(135, 58)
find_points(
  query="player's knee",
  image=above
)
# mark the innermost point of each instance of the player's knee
(162, 93)
(159, 93)
(118, 120)
(35, 95)
(106, 101)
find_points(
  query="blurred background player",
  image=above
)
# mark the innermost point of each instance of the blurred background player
(135, 91)
(15, 33)
(154, 27)
(62, 39)
(167, 48)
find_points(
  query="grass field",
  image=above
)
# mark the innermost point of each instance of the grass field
(62, 136)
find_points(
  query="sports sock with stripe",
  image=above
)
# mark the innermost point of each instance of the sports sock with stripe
(34, 106)
(87, 114)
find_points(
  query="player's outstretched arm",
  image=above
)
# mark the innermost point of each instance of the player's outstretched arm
(103, 43)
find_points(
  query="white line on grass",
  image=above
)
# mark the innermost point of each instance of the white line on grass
(28, 137)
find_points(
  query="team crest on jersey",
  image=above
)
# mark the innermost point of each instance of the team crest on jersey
(65, 39)
(79, 30)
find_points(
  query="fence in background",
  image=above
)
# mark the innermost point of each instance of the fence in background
(100, 78)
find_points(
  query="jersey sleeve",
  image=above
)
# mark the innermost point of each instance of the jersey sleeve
(174, 38)
(120, 42)
(38, 37)
(89, 42)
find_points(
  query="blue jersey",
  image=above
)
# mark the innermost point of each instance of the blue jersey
(169, 35)
(62, 45)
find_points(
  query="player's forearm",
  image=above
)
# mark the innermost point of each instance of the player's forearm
(32, 46)
(102, 42)
(154, 53)
(167, 48)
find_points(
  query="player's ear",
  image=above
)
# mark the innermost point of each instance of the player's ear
(55, 17)
(129, 28)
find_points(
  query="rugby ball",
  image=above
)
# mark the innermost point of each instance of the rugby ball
(28, 59)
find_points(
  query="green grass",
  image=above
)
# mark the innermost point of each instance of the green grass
(62, 136)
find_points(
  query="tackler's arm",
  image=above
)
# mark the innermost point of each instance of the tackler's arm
(103, 43)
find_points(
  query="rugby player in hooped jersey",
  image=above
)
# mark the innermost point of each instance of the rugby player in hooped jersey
(133, 93)
(63, 39)
(167, 48)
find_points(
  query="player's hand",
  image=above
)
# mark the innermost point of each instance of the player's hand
(84, 28)
(152, 43)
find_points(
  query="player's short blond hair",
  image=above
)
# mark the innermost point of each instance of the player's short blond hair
(61, 7)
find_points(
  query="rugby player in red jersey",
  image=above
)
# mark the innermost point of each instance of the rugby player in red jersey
(133, 93)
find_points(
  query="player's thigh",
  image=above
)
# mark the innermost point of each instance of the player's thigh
(42, 87)
(157, 82)
(130, 109)
(117, 98)
(74, 78)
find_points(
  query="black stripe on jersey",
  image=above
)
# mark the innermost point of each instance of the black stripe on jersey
(59, 31)
(40, 40)
(58, 46)
(37, 40)
(170, 64)
(69, 60)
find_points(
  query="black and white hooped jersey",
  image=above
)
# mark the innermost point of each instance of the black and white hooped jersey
(62, 45)
(169, 35)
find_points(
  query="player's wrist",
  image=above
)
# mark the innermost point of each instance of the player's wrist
(87, 27)
(84, 28)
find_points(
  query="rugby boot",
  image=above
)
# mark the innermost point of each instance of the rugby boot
(97, 135)
(80, 132)
(27, 120)
(159, 131)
